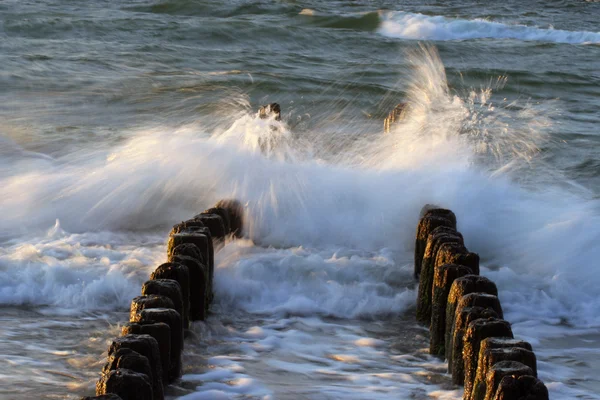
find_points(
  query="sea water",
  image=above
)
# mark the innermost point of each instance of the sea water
(120, 119)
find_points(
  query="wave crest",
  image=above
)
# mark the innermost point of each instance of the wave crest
(424, 27)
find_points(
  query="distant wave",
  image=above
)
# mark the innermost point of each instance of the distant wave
(423, 27)
(365, 21)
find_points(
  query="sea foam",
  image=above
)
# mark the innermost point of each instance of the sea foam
(424, 27)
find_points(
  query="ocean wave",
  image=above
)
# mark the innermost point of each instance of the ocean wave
(203, 9)
(365, 21)
(77, 272)
(424, 27)
(346, 228)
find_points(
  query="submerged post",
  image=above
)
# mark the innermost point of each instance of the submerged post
(431, 220)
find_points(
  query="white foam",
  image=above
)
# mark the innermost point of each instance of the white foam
(424, 27)
(225, 381)
(293, 281)
(316, 358)
(91, 271)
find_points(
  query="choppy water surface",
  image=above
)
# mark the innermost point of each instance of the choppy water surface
(120, 119)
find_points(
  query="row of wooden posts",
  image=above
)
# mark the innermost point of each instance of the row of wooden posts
(465, 317)
(461, 307)
(147, 356)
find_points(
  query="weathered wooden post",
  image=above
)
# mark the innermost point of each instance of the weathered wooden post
(464, 317)
(443, 278)
(140, 303)
(191, 243)
(179, 273)
(470, 307)
(127, 384)
(214, 223)
(488, 357)
(180, 244)
(128, 359)
(145, 345)
(489, 344)
(431, 220)
(397, 114)
(460, 287)
(268, 110)
(501, 370)
(456, 253)
(477, 331)
(165, 287)
(236, 215)
(440, 235)
(159, 331)
(223, 213)
(173, 319)
(521, 387)
(199, 287)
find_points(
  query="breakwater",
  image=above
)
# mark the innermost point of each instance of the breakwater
(465, 317)
(147, 355)
(461, 308)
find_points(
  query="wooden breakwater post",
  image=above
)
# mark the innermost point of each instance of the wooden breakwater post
(465, 316)
(148, 354)
(396, 115)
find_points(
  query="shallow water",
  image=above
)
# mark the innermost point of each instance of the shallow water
(119, 120)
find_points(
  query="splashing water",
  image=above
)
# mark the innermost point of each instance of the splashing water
(325, 238)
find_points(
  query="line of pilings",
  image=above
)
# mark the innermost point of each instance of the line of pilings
(147, 355)
(465, 318)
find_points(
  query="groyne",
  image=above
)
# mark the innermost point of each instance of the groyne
(461, 308)
(465, 317)
(147, 355)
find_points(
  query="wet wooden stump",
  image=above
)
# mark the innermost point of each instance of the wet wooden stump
(499, 371)
(125, 358)
(461, 287)
(179, 244)
(476, 302)
(236, 215)
(484, 300)
(145, 345)
(190, 250)
(188, 225)
(180, 273)
(443, 278)
(159, 331)
(224, 214)
(494, 343)
(128, 359)
(524, 387)
(477, 331)
(436, 238)
(149, 301)
(186, 238)
(270, 110)
(397, 114)
(165, 287)
(489, 356)
(214, 223)
(199, 286)
(173, 319)
(427, 224)
(127, 384)
(464, 317)
(457, 253)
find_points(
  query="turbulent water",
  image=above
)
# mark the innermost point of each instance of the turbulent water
(119, 119)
